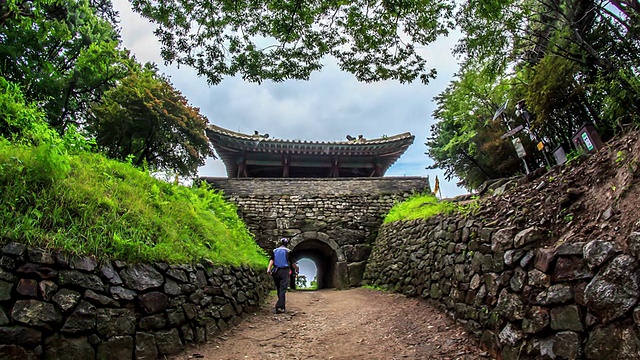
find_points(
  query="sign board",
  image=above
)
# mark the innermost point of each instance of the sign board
(540, 146)
(560, 155)
(587, 141)
(511, 132)
(519, 148)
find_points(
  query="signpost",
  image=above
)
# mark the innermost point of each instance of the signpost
(522, 153)
(512, 132)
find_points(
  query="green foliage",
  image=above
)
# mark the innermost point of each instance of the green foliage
(621, 156)
(419, 207)
(375, 288)
(87, 204)
(313, 285)
(424, 206)
(279, 40)
(21, 121)
(62, 54)
(465, 142)
(568, 62)
(301, 282)
(144, 119)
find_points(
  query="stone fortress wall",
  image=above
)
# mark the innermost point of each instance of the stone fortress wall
(571, 301)
(54, 306)
(338, 218)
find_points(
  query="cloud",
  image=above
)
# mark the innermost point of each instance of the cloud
(329, 106)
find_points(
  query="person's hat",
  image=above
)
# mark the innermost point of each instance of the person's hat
(284, 241)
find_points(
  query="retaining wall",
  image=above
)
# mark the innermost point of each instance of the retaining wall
(342, 213)
(522, 300)
(54, 306)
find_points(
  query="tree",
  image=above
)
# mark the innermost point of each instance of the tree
(466, 142)
(62, 54)
(144, 118)
(595, 44)
(279, 40)
(301, 282)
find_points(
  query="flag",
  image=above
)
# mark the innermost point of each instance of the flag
(436, 188)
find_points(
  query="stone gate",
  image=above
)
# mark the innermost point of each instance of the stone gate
(332, 221)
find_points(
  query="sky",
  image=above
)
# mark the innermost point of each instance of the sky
(327, 107)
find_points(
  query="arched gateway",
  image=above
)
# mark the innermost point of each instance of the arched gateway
(327, 197)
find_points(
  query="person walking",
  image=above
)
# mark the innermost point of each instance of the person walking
(279, 266)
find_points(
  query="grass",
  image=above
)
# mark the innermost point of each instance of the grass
(88, 204)
(424, 206)
(419, 206)
(375, 288)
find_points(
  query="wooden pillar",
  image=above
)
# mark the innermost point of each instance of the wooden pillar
(242, 167)
(285, 166)
(335, 169)
(377, 170)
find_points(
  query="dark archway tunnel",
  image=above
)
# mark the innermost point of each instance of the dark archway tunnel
(323, 256)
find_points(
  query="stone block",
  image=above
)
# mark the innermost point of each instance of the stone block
(5, 290)
(37, 314)
(535, 320)
(528, 236)
(543, 259)
(567, 318)
(356, 272)
(27, 287)
(110, 274)
(503, 239)
(614, 290)
(141, 277)
(14, 249)
(77, 278)
(60, 347)
(115, 322)
(82, 319)
(571, 268)
(153, 322)
(510, 306)
(597, 252)
(168, 342)
(47, 289)
(153, 302)
(40, 256)
(145, 347)
(616, 341)
(66, 299)
(99, 299)
(120, 293)
(39, 271)
(555, 294)
(13, 352)
(20, 335)
(116, 348)
(86, 263)
(567, 345)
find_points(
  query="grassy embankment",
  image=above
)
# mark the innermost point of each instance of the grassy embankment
(424, 206)
(87, 204)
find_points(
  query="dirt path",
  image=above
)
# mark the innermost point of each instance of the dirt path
(351, 324)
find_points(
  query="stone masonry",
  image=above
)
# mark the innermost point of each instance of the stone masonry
(524, 301)
(333, 221)
(55, 306)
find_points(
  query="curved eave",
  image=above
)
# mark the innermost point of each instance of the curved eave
(230, 145)
(235, 142)
(217, 131)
